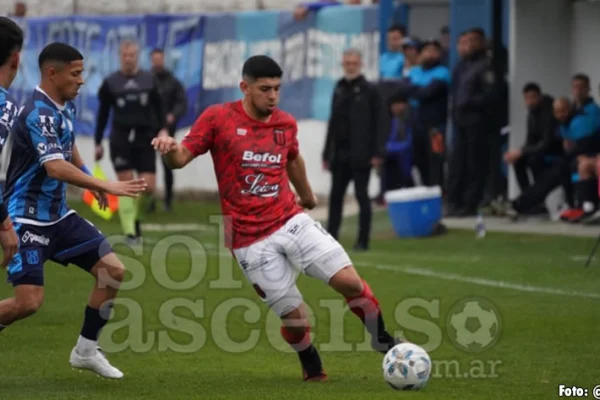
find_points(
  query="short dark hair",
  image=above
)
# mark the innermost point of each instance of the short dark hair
(581, 77)
(11, 38)
(477, 31)
(157, 50)
(398, 28)
(59, 52)
(532, 87)
(257, 67)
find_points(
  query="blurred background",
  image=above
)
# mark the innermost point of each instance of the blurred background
(467, 87)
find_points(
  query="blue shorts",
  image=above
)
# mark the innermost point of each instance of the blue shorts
(73, 240)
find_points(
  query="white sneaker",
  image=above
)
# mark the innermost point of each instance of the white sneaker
(96, 363)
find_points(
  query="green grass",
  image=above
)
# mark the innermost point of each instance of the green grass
(545, 339)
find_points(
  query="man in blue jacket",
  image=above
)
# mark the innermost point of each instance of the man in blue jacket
(428, 86)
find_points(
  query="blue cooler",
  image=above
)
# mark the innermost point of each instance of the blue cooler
(414, 212)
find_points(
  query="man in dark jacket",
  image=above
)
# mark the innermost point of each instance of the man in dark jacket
(355, 143)
(472, 109)
(542, 143)
(175, 103)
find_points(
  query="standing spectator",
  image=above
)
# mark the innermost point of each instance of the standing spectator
(20, 9)
(542, 143)
(445, 43)
(410, 47)
(174, 99)
(355, 143)
(391, 63)
(428, 86)
(472, 93)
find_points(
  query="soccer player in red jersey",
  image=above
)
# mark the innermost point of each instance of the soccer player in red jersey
(254, 147)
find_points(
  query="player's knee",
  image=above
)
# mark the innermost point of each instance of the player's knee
(28, 305)
(116, 272)
(347, 282)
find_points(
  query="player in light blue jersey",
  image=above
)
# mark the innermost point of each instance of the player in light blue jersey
(44, 159)
(11, 41)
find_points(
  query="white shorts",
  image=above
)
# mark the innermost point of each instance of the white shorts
(273, 264)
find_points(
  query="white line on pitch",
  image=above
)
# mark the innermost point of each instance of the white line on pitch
(480, 281)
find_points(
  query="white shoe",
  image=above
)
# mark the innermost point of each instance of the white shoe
(96, 363)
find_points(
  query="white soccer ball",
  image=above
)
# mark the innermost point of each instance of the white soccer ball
(407, 367)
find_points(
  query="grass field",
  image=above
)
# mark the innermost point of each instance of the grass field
(171, 327)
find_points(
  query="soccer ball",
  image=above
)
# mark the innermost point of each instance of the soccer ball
(406, 367)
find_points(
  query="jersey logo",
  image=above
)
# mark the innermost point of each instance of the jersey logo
(46, 124)
(279, 136)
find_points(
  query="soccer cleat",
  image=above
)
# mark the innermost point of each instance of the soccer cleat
(571, 213)
(96, 363)
(385, 343)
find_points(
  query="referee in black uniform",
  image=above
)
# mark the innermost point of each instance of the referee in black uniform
(137, 117)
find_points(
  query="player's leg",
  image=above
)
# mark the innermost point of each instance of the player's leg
(120, 154)
(169, 181)
(86, 247)
(145, 165)
(320, 256)
(26, 273)
(274, 280)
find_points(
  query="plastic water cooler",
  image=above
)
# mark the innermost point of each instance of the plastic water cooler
(416, 211)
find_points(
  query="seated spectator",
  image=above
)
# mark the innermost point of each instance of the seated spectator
(391, 63)
(410, 48)
(542, 144)
(428, 87)
(579, 127)
(396, 169)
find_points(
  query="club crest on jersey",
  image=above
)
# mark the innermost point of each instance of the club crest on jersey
(279, 136)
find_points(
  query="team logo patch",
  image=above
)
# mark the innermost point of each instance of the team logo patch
(32, 257)
(279, 136)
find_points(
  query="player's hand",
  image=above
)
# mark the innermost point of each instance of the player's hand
(308, 203)
(164, 144)
(163, 133)
(9, 241)
(102, 199)
(126, 188)
(99, 152)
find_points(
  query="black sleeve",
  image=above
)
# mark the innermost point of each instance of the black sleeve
(435, 89)
(180, 103)
(104, 104)
(379, 111)
(548, 126)
(157, 105)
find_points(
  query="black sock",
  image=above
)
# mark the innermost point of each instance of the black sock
(138, 228)
(587, 191)
(2, 327)
(311, 361)
(94, 321)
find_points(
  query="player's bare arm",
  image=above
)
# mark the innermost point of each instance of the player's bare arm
(67, 172)
(176, 156)
(296, 170)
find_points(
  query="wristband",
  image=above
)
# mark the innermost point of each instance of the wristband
(3, 212)
(86, 170)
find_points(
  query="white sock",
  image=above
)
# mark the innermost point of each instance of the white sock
(86, 347)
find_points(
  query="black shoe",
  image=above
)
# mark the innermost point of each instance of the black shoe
(361, 248)
(312, 366)
(384, 343)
